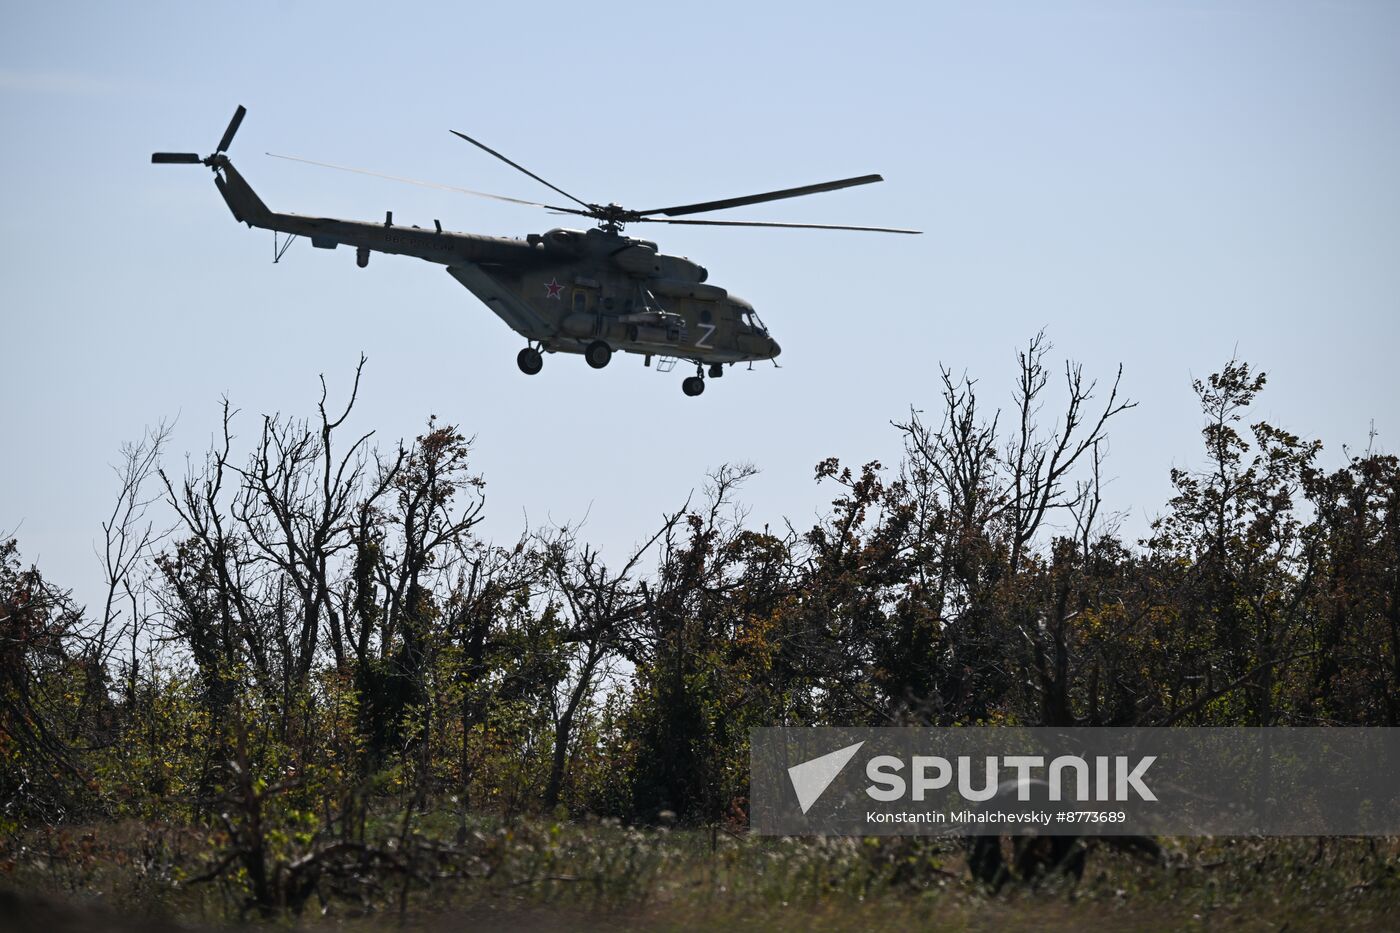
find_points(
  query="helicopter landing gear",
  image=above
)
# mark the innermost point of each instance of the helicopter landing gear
(529, 361)
(694, 385)
(598, 354)
(716, 370)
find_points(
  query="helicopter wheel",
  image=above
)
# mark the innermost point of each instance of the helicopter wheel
(529, 361)
(693, 385)
(598, 354)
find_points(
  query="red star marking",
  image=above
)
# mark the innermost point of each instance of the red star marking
(553, 288)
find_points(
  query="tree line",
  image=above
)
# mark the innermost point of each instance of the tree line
(301, 636)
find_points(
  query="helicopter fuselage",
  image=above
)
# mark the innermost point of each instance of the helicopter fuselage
(567, 291)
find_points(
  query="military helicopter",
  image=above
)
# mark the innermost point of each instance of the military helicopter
(593, 292)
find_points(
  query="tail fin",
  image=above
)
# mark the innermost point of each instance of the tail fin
(242, 200)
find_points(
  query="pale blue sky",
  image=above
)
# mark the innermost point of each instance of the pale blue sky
(1158, 184)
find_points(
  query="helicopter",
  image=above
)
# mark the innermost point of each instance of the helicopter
(594, 292)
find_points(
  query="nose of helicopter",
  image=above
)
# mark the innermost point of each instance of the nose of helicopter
(773, 348)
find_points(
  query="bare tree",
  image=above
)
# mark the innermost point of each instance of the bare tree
(208, 598)
(602, 605)
(1039, 463)
(297, 507)
(129, 537)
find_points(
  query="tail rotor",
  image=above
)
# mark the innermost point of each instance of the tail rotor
(192, 158)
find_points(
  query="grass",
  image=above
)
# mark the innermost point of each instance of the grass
(530, 875)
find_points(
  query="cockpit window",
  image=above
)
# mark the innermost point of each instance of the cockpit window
(753, 323)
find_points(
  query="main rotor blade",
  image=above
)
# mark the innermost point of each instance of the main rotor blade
(520, 167)
(175, 158)
(427, 184)
(233, 125)
(757, 223)
(766, 196)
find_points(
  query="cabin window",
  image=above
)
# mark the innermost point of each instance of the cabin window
(705, 316)
(580, 300)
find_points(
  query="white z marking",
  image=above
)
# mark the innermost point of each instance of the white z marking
(709, 329)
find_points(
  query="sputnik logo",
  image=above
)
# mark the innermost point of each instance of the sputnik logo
(811, 778)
